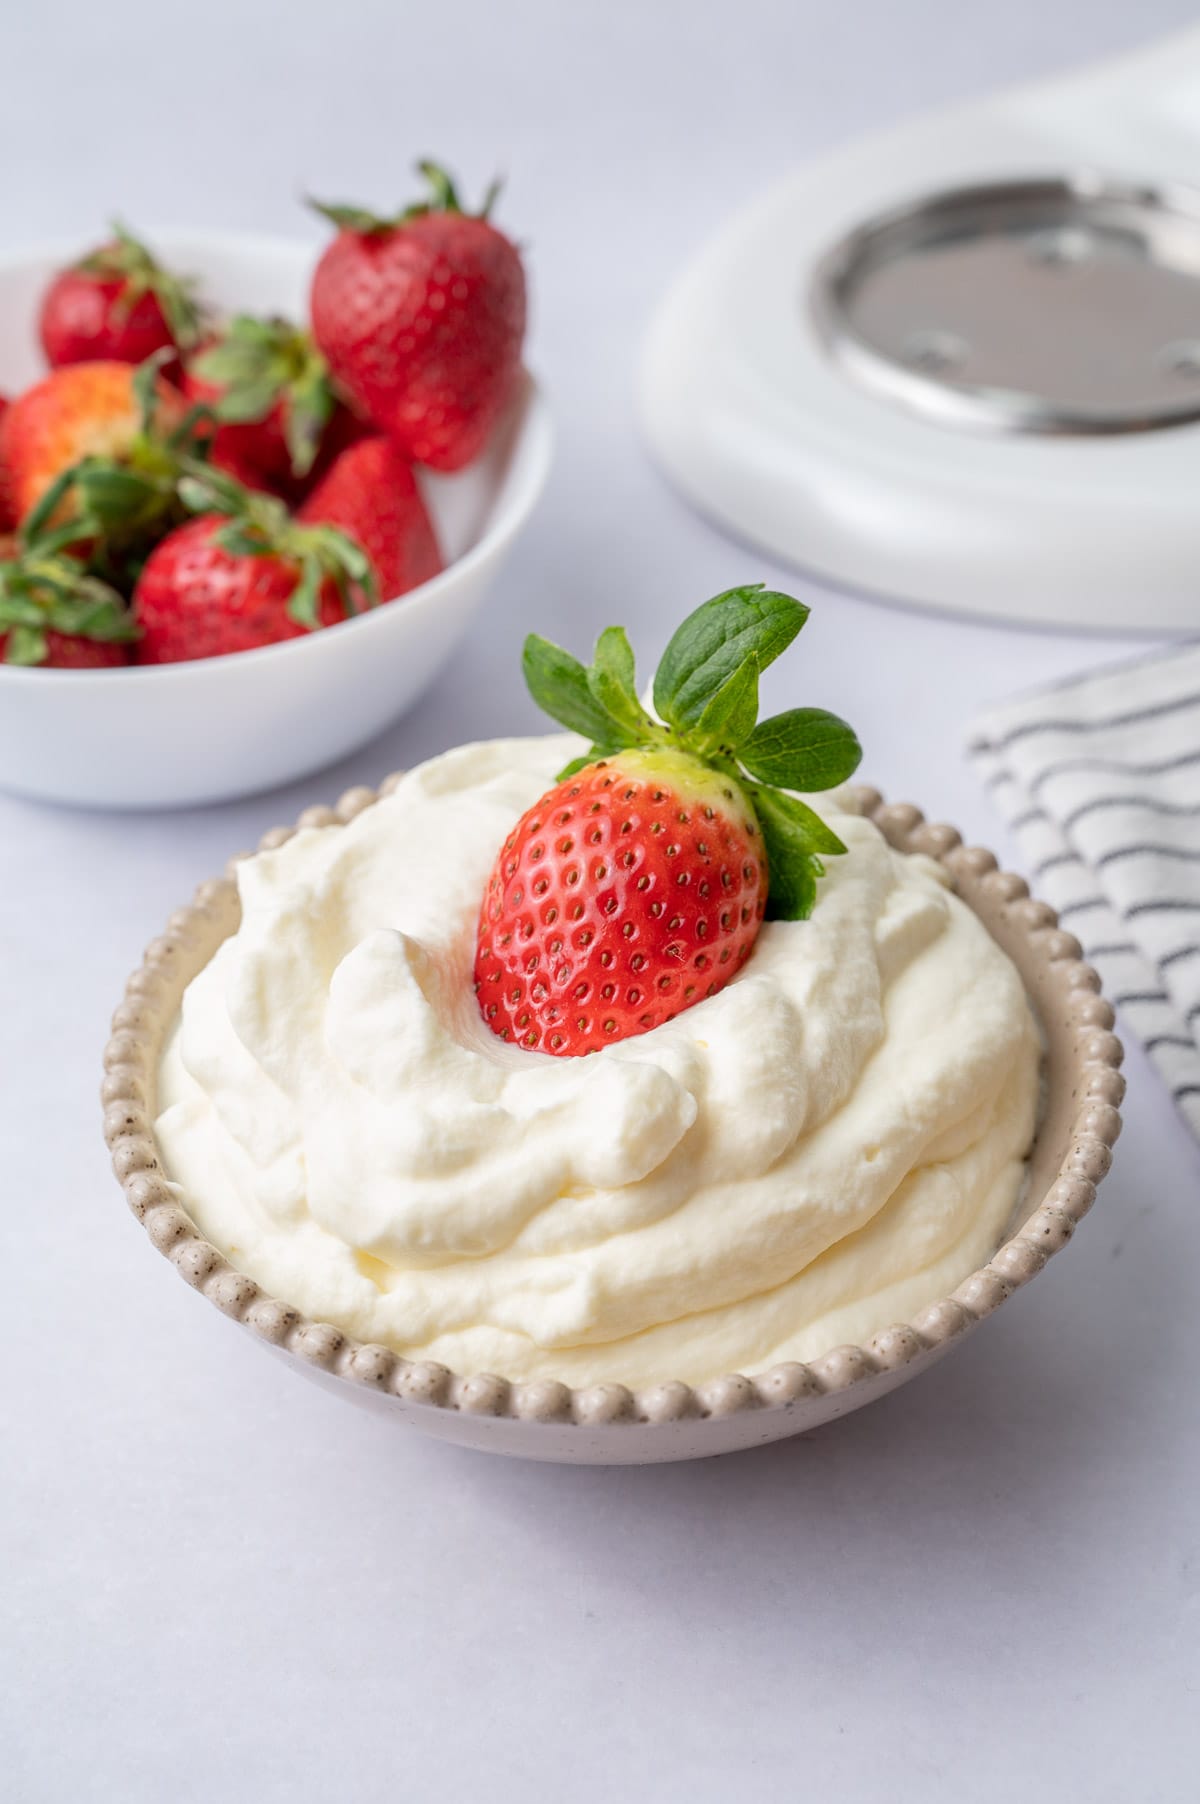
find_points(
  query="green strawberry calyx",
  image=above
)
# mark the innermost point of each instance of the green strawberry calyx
(127, 260)
(258, 363)
(442, 198)
(40, 594)
(706, 703)
(261, 526)
(110, 512)
(118, 506)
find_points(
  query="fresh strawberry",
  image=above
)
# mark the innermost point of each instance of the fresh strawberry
(268, 387)
(585, 936)
(86, 410)
(53, 613)
(421, 318)
(249, 576)
(370, 493)
(118, 303)
(636, 886)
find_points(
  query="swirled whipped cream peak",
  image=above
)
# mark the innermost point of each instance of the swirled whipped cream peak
(831, 1140)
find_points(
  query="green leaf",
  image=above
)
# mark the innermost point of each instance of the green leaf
(199, 498)
(80, 528)
(612, 682)
(303, 604)
(349, 218)
(792, 867)
(751, 622)
(558, 684)
(245, 339)
(180, 311)
(247, 400)
(262, 363)
(731, 713)
(444, 196)
(204, 489)
(25, 645)
(805, 826)
(39, 593)
(614, 655)
(141, 273)
(343, 558)
(145, 386)
(193, 435)
(240, 539)
(17, 607)
(40, 515)
(113, 495)
(806, 748)
(249, 347)
(309, 410)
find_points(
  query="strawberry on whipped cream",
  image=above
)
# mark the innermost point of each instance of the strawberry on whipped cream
(830, 1142)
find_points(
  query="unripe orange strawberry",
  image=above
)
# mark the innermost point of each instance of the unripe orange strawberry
(82, 410)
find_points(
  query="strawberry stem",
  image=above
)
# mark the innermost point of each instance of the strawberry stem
(41, 593)
(140, 272)
(261, 363)
(444, 198)
(706, 698)
(260, 526)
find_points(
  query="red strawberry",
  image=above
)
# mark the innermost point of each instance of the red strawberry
(222, 584)
(422, 318)
(370, 493)
(84, 410)
(269, 388)
(53, 613)
(636, 887)
(627, 892)
(117, 303)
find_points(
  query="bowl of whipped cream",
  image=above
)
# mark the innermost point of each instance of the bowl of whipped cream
(776, 1207)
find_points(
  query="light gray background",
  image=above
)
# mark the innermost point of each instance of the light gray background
(225, 1585)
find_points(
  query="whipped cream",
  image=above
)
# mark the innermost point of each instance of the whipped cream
(832, 1141)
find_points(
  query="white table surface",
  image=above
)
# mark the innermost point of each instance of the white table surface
(223, 1584)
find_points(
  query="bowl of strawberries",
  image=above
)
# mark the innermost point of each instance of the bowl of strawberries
(251, 494)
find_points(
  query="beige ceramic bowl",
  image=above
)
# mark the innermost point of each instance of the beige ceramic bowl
(608, 1423)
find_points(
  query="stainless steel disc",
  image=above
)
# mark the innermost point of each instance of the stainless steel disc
(1059, 306)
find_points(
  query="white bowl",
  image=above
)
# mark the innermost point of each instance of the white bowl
(173, 734)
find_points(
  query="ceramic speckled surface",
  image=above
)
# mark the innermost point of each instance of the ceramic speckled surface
(609, 1423)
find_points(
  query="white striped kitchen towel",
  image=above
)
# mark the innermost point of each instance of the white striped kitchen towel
(1099, 778)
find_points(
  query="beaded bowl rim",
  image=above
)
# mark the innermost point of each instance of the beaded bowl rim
(1000, 898)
